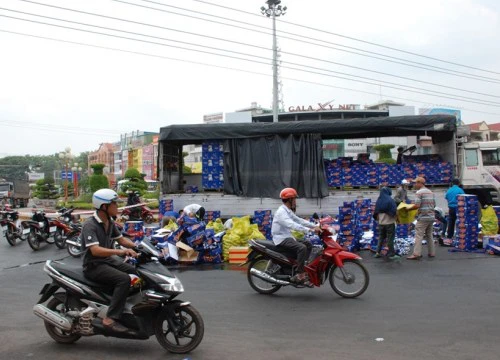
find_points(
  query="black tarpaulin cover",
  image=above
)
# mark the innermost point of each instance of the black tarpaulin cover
(440, 125)
(261, 167)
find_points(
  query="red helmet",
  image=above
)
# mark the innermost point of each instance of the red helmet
(288, 193)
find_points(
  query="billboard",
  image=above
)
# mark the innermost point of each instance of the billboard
(443, 111)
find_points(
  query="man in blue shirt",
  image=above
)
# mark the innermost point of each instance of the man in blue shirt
(284, 222)
(451, 197)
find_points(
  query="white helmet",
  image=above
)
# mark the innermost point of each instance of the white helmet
(405, 182)
(104, 196)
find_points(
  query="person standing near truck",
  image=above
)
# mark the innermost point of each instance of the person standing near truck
(451, 197)
(402, 192)
(425, 203)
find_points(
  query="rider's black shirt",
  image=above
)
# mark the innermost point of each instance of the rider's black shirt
(94, 233)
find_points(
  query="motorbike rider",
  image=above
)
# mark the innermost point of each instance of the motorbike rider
(101, 262)
(133, 199)
(284, 222)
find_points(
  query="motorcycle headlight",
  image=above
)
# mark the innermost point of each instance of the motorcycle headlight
(170, 284)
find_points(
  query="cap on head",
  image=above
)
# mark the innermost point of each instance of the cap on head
(404, 182)
(419, 179)
(288, 193)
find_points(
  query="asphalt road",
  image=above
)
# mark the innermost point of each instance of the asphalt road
(442, 308)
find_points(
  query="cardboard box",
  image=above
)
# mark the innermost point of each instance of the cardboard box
(238, 254)
(186, 253)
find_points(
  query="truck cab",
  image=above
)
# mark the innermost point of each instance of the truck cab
(479, 170)
(6, 189)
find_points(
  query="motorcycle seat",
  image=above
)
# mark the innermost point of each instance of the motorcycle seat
(269, 245)
(76, 273)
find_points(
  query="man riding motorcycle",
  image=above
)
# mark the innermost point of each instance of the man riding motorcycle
(284, 222)
(101, 262)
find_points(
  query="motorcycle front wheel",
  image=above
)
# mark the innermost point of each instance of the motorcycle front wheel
(187, 333)
(34, 240)
(55, 333)
(10, 236)
(148, 219)
(59, 239)
(354, 283)
(258, 284)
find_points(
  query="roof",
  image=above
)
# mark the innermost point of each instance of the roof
(494, 127)
(439, 125)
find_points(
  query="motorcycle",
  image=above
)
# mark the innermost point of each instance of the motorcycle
(74, 243)
(66, 228)
(269, 269)
(136, 212)
(151, 307)
(146, 214)
(39, 229)
(11, 226)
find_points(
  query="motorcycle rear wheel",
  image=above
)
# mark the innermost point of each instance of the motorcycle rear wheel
(55, 333)
(33, 240)
(59, 239)
(260, 285)
(10, 236)
(357, 282)
(190, 328)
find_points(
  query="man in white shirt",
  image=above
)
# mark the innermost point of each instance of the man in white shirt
(284, 221)
(194, 210)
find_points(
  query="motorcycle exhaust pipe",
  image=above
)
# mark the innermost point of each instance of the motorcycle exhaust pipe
(71, 242)
(268, 278)
(52, 317)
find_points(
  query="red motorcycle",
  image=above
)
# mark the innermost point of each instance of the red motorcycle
(67, 227)
(269, 269)
(39, 229)
(142, 212)
(11, 226)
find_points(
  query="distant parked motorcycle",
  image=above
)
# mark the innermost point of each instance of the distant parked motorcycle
(39, 229)
(136, 212)
(11, 226)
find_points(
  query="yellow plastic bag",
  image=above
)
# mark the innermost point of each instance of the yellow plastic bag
(217, 225)
(172, 225)
(489, 221)
(299, 235)
(406, 216)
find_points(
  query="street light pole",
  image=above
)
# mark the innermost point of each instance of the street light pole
(66, 156)
(274, 9)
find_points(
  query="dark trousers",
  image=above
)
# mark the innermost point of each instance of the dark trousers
(113, 273)
(452, 218)
(444, 223)
(386, 233)
(301, 247)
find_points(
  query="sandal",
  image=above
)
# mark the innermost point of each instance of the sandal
(414, 257)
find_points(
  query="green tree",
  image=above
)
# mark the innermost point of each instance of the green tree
(384, 153)
(135, 181)
(45, 189)
(98, 180)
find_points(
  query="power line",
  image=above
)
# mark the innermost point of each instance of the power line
(232, 69)
(251, 45)
(322, 44)
(353, 38)
(445, 95)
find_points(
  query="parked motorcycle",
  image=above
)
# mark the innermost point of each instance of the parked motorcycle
(39, 229)
(269, 269)
(11, 226)
(74, 243)
(151, 308)
(66, 228)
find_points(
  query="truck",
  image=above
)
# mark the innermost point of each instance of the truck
(15, 192)
(261, 158)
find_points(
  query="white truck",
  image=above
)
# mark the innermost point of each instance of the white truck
(476, 164)
(15, 192)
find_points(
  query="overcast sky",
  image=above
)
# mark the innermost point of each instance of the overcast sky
(57, 94)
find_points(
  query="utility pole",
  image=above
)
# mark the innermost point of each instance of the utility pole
(274, 10)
